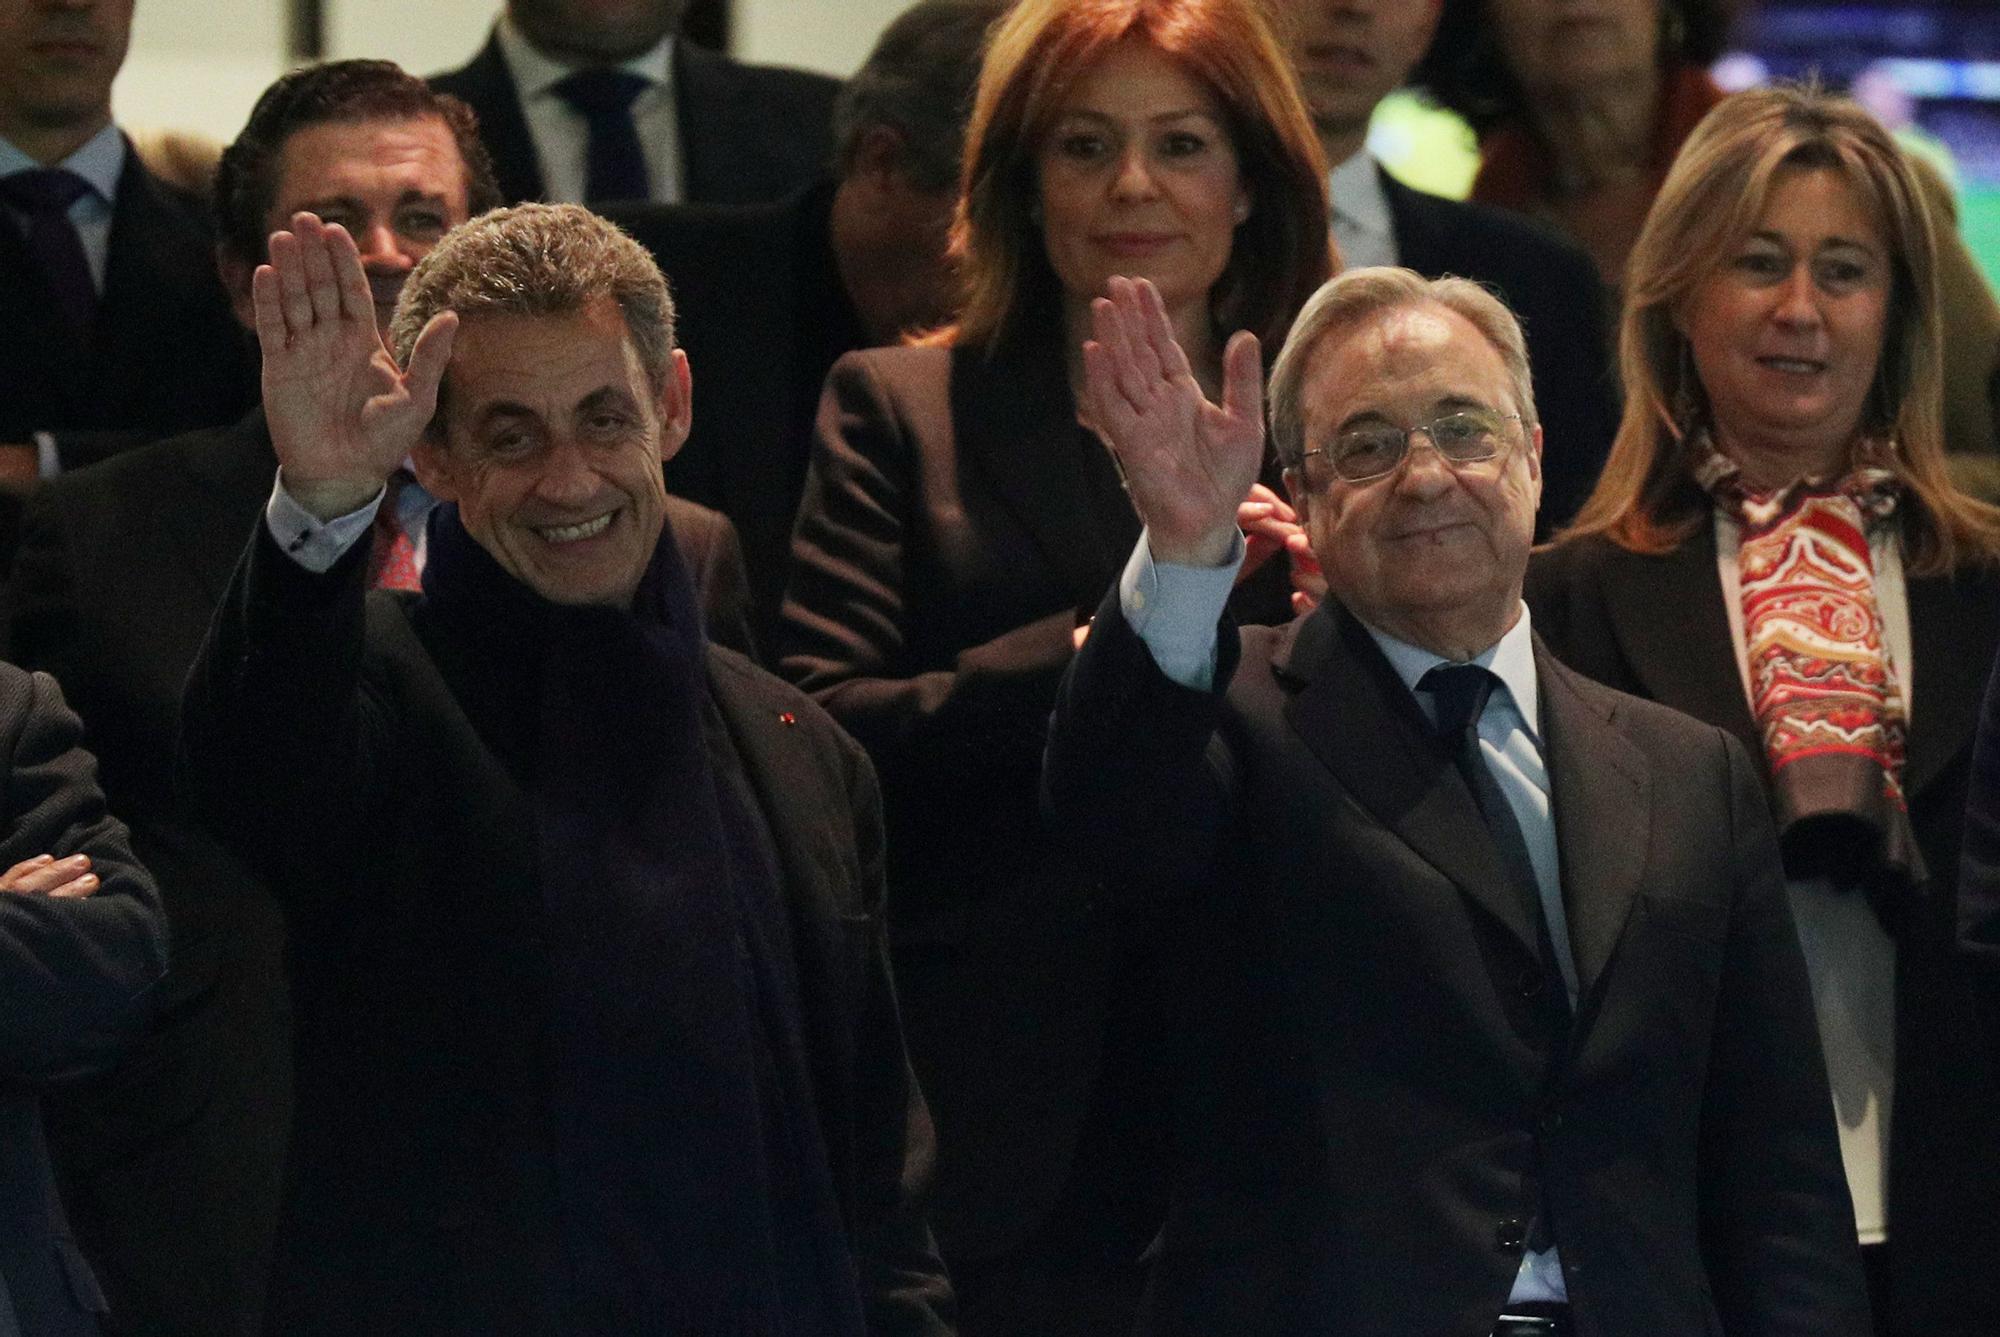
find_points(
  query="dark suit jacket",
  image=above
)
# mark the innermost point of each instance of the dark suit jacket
(1376, 1098)
(75, 979)
(348, 748)
(1553, 287)
(1657, 627)
(748, 132)
(172, 1162)
(759, 307)
(957, 525)
(165, 356)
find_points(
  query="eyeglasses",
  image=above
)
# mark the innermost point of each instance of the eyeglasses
(1463, 436)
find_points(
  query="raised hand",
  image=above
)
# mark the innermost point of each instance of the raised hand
(342, 415)
(1187, 462)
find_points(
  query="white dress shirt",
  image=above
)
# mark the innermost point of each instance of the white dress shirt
(1362, 226)
(1174, 610)
(562, 136)
(317, 544)
(1850, 957)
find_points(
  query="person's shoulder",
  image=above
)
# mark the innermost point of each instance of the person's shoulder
(897, 372)
(788, 85)
(1501, 235)
(1665, 733)
(763, 707)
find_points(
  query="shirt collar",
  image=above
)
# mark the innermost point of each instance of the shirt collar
(535, 72)
(100, 160)
(1355, 190)
(1511, 659)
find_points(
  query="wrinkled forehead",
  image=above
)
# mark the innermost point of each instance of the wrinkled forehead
(1403, 364)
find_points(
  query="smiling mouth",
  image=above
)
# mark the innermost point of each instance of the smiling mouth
(1795, 366)
(1340, 57)
(576, 533)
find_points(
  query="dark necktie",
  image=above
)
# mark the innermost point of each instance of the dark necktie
(45, 195)
(616, 164)
(1460, 692)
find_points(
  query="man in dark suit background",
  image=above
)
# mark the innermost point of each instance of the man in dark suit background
(116, 330)
(1349, 55)
(589, 102)
(770, 296)
(597, 1029)
(172, 1162)
(1498, 1020)
(82, 943)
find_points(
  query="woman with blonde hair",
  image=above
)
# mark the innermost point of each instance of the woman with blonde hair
(957, 527)
(1776, 547)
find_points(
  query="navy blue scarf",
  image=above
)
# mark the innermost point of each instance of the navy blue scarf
(693, 1188)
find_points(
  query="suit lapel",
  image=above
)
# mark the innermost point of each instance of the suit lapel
(1416, 247)
(1365, 727)
(503, 127)
(1600, 788)
(1954, 626)
(1017, 427)
(145, 271)
(225, 492)
(1672, 628)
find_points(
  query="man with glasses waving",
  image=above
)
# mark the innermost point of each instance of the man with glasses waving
(1499, 1022)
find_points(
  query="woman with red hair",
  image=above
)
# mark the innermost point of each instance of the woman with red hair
(958, 525)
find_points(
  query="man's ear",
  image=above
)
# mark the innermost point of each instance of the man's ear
(676, 406)
(236, 274)
(432, 463)
(1297, 493)
(878, 157)
(1535, 453)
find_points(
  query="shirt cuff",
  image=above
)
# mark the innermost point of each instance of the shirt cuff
(48, 460)
(313, 543)
(1174, 610)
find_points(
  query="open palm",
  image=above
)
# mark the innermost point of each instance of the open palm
(1188, 462)
(342, 414)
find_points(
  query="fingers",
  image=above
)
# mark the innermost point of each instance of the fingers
(1164, 349)
(428, 356)
(288, 262)
(1136, 313)
(357, 299)
(317, 248)
(269, 303)
(1243, 378)
(46, 875)
(1111, 325)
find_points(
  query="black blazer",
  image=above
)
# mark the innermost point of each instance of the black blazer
(172, 1162)
(1657, 627)
(75, 981)
(165, 355)
(1553, 287)
(760, 309)
(748, 132)
(1376, 1096)
(957, 525)
(333, 740)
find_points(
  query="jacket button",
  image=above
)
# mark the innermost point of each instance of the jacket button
(1530, 983)
(1511, 1234)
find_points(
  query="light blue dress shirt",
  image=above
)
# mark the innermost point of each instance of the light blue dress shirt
(1175, 609)
(100, 162)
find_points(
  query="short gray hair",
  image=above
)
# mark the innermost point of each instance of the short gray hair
(918, 81)
(539, 260)
(1346, 300)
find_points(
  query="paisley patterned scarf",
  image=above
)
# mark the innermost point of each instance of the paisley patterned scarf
(1823, 687)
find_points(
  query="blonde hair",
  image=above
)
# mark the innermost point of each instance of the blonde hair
(1035, 56)
(1646, 499)
(1345, 302)
(538, 260)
